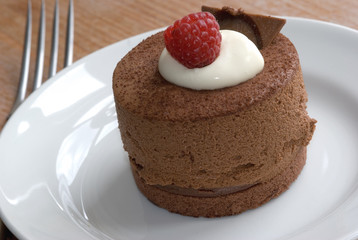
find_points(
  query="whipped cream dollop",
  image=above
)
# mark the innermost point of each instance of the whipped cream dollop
(239, 60)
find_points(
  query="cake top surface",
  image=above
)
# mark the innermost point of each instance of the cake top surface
(139, 88)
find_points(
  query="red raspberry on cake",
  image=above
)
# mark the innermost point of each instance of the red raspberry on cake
(194, 40)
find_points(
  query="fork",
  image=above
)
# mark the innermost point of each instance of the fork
(23, 82)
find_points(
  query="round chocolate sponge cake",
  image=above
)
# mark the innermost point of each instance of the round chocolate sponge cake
(213, 152)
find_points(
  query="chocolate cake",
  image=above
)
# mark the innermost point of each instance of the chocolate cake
(217, 152)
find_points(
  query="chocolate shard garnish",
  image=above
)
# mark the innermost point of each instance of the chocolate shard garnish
(260, 29)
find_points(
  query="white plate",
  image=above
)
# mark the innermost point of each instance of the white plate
(64, 174)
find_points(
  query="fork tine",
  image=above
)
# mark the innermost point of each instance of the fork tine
(54, 44)
(40, 49)
(21, 90)
(69, 35)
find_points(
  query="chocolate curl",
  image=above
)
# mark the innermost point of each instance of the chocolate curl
(260, 29)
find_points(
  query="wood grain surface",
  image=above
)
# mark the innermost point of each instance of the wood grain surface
(100, 23)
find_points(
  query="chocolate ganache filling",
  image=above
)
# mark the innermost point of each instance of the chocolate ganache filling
(201, 192)
(211, 192)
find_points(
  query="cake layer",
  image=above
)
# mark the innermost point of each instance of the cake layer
(245, 148)
(229, 204)
(140, 89)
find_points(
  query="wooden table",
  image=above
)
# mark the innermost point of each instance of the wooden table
(100, 23)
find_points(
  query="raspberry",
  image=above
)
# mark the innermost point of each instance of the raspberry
(194, 40)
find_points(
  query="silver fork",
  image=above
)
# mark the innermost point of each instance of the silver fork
(21, 90)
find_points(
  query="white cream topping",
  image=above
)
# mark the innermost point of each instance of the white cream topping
(239, 60)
